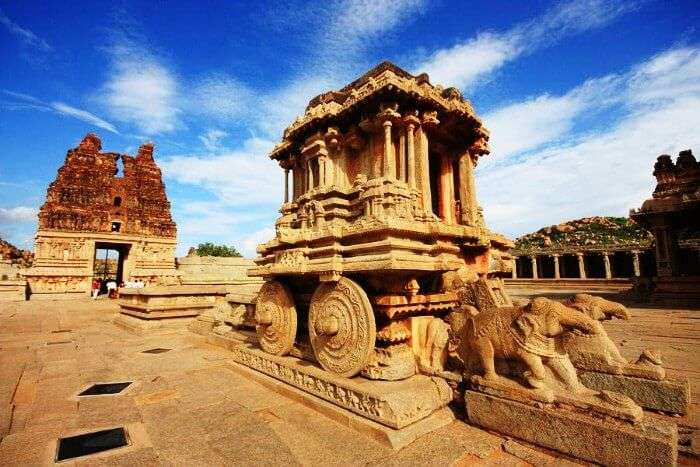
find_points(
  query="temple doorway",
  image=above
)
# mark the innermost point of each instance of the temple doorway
(109, 263)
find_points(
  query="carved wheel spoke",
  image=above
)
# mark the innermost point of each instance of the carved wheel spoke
(276, 318)
(342, 329)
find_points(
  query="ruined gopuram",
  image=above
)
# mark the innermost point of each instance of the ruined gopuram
(88, 208)
(672, 214)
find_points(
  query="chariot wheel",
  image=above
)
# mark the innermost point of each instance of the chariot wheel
(342, 329)
(276, 318)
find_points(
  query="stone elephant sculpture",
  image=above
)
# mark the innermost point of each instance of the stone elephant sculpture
(597, 347)
(529, 334)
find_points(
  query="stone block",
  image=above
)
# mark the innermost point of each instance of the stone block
(396, 438)
(395, 404)
(668, 395)
(650, 442)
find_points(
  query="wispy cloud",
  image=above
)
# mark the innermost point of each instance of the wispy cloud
(581, 172)
(242, 177)
(17, 214)
(25, 35)
(469, 62)
(219, 96)
(141, 90)
(24, 101)
(65, 109)
(212, 139)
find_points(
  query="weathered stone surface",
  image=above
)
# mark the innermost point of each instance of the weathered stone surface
(395, 404)
(605, 441)
(169, 307)
(668, 395)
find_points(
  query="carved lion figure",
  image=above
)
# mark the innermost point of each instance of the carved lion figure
(527, 334)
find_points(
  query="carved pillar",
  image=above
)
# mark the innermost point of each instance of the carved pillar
(606, 262)
(556, 266)
(635, 263)
(411, 123)
(467, 189)
(322, 180)
(310, 175)
(514, 273)
(533, 260)
(446, 190)
(424, 171)
(401, 169)
(389, 160)
(581, 266)
(286, 185)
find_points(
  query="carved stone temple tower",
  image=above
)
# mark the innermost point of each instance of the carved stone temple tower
(89, 208)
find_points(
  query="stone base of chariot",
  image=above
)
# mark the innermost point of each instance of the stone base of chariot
(392, 412)
(603, 440)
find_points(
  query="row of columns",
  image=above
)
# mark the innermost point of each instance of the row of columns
(581, 265)
(413, 167)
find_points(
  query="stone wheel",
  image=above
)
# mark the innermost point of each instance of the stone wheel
(342, 329)
(276, 318)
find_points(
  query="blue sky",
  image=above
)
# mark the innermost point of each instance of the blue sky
(580, 97)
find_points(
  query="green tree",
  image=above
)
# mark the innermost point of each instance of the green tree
(209, 249)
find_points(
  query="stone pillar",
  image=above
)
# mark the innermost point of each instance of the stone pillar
(467, 189)
(514, 273)
(635, 263)
(556, 266)
(401, 169)
(533, 260)
(446, 193)
(425, 171)
(581, 266)
(286, 185)
(410, 152)
(606, 262)
(389, 162)
(310, 175)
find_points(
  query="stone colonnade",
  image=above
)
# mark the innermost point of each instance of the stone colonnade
(536, 271)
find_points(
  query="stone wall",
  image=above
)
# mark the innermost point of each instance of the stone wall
(210, 270)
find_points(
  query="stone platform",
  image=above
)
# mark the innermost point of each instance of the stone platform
(394, 404)
(165, 308)
(649, 442)
(13, 290)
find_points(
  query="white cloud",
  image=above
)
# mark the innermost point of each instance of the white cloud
(241, 177)
(220, 96)
(83, 115)
(467, 63)
(602, 172)
(249, 243)
(141, 90)
(18, 214)
(24, 35)
(212, 139)
(25, 101)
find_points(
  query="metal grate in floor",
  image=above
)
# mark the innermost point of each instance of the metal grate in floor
(90, 443)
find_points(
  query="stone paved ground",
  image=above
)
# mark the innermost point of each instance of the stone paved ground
(187, 408)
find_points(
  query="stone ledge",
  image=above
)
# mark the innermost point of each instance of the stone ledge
(394, 438)
(395, 404)
(650, 442)
(669, 395)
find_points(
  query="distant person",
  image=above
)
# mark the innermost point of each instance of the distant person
(95, 288)
(112, 289)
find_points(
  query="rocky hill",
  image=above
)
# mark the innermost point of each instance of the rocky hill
(589, 233)
(23, 258)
